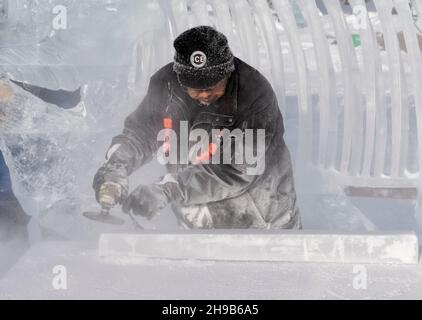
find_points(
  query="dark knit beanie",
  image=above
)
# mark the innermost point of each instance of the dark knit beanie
(203, 57)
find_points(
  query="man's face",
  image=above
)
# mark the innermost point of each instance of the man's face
(209, 95)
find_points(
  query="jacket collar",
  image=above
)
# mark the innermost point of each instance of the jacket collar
(227, 104)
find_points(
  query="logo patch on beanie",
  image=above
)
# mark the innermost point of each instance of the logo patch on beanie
(198, 59)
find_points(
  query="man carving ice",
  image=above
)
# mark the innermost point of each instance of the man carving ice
(207, 88)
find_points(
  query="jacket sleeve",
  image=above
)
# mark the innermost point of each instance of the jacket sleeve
(138, 142)
(204, 183)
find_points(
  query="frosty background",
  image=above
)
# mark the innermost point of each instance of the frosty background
(347, 76)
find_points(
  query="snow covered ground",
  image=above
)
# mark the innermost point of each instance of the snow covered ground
(92, 277)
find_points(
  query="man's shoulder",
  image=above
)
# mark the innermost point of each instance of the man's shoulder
(253, 85)
(165, 73)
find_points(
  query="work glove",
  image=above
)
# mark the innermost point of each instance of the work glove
(111, 184)
(148, 200)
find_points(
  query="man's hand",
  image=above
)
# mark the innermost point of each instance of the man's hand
(147, 201)
(110, 184)
(110, 194)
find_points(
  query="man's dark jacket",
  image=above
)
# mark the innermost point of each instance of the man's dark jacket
(215, 195)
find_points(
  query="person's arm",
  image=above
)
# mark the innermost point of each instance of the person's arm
(138, 142)
(136, 145)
